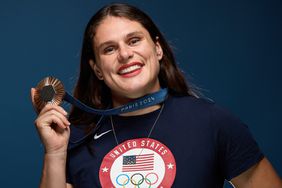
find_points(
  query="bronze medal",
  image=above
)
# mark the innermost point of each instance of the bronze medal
(50, 90)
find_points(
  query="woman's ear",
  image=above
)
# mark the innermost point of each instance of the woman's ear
(96, 69)
(159, 49)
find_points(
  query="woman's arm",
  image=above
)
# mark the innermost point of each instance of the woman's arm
(261, 175)
(53, 173)
(53, 128)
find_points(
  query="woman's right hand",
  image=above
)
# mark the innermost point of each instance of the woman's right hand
(53, 127)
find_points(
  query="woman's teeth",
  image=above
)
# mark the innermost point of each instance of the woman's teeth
(129, 69)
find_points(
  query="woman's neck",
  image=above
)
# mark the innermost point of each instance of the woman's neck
(119, 101)
(142, 111)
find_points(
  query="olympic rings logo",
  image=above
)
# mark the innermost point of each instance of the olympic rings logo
(137, 179)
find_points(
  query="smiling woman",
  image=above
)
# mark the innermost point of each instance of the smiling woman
(184, 141)
(127, 59)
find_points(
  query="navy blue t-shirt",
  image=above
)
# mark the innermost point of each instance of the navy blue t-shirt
(194, 143)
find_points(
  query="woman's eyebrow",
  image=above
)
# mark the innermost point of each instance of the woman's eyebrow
(134, 34)
(105, 44)
(127, 36)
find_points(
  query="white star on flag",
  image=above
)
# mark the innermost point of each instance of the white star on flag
(105, 169)
(170, 166)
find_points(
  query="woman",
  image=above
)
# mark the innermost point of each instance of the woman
(182, 142)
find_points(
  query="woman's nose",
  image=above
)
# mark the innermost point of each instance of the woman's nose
(125, 53)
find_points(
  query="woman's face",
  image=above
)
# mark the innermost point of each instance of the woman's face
(127, 58)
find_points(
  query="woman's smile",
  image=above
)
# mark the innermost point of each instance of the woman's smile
(130, 69)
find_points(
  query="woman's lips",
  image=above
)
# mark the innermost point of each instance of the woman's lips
(131, 69)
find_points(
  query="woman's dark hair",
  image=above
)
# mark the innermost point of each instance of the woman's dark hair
(93, 92)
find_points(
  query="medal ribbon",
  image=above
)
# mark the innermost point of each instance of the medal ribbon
(144, 102)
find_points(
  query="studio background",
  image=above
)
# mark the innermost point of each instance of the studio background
(230, 49)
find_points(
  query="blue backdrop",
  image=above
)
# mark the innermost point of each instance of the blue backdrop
(230, 49)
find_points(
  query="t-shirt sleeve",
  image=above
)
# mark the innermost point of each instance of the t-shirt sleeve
(236, 148)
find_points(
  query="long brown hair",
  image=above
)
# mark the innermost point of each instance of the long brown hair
(93, 92)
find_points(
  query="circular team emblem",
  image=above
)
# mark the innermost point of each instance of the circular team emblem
(138, 163)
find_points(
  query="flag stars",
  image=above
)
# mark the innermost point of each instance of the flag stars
(105, 169)
(170, 166)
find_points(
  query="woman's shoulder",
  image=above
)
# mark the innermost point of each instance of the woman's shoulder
(202, 107)
(191, 102)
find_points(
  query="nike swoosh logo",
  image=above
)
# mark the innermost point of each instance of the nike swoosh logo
(96, 136)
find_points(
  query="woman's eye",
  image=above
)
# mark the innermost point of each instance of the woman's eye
(134, 41)
(109, 50)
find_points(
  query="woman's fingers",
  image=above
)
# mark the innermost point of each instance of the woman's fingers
(48, 121)
(52, 116)
(32, 93)
(50, 107)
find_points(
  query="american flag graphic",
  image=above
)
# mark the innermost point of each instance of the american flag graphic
(142, 162)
